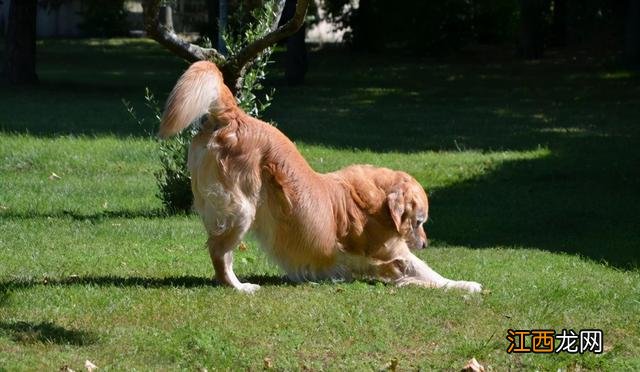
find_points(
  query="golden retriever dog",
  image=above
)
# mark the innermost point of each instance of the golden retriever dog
(359, 222)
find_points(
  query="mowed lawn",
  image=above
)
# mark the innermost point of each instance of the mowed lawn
(533, 170)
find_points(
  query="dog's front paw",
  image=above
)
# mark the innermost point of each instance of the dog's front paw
(471, 287)
(248, 287)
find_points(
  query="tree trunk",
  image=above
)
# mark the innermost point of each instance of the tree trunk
(166, 16)
(632, 35)
(363, 37)
(213, 9)
(295, 58)
(223, 10)
(20, 43)
(531, 29)
(559, 23)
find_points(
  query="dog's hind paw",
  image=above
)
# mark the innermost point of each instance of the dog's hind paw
(248, 287)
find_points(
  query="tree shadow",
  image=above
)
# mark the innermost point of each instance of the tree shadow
(77, 216)
(4, 296)
(186, 281)
(45, 332)
(408, 105)
(581, 199)
(82, 85)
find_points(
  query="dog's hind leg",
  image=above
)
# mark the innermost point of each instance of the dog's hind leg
(221, 252)
(225, 234)
(227, 216)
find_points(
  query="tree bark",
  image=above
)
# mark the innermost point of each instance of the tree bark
(531, 29)
(632, 34)
(170, 40)
(166, 17)
(20, 43)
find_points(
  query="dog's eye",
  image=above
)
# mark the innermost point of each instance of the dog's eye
(419, 222)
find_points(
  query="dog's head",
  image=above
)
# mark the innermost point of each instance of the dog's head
(409, 209)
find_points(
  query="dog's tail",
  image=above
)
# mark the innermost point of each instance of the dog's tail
(199, 90)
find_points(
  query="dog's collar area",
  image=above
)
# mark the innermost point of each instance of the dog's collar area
(201, 123)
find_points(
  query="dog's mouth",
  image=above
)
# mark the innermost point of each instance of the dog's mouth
(417, 245)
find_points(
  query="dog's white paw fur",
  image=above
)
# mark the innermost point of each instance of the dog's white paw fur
(248, 287)
(471, 287)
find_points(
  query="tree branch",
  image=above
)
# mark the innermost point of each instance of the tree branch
(237, 63)
(233, 68)
(170, 40)
(279, 9)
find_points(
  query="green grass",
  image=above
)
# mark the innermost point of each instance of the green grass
(532, 170)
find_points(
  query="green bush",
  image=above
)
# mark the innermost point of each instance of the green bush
(173, 179)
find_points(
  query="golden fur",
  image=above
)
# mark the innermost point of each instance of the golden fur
(360, 221)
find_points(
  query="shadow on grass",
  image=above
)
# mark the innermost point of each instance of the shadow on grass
(45, 332)
(582, 199)
(4, 296)
(82, 85)
(93, 217)
(136, 281)
(408, 105)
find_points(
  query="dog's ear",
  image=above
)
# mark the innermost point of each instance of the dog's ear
(395, 200)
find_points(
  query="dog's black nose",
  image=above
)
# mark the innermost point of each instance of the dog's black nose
(425, 243)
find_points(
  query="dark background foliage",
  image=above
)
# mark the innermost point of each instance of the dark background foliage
(427, 27)
(103, 18)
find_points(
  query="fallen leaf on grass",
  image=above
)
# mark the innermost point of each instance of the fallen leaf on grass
(392, 366)
(54, 176)
(473, 366)
(242, 247)
(267, 363)
(89, 366)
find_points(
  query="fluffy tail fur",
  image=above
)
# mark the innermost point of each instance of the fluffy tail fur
(199, 90)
